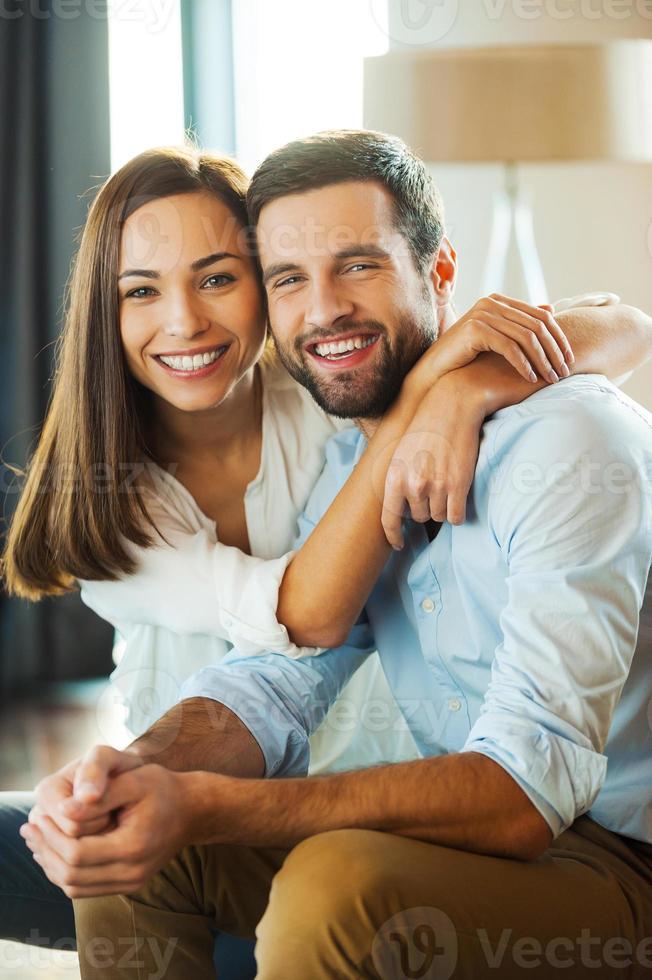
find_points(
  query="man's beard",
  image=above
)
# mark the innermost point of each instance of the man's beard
(346, 397)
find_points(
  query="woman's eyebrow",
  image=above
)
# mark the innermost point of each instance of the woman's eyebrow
(144, 273)
(210, 259)
(196, 266)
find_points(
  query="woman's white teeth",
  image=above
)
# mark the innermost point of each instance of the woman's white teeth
(343, 346)
(195, 363)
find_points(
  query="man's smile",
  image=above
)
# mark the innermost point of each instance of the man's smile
(348, 350)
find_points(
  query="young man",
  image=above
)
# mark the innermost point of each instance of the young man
(508, 642)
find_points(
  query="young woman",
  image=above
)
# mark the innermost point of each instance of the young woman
(177, 456)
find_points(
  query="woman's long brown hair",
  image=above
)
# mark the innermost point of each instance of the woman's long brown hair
(81, 501)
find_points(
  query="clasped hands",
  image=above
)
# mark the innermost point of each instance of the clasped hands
(104, 824)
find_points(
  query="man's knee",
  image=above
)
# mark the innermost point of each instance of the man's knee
(359, 879)
(325, 880)
(335, 898)
(99, 923)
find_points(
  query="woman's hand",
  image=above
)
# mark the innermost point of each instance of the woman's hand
(433, 466)
(434, 463)
(528, 337)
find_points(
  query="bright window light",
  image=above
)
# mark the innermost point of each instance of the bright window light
(145, 77)
(299, 68)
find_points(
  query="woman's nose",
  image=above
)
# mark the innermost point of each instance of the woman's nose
(184, 318)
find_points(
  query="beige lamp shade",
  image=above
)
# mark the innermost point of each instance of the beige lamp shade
(538, 103)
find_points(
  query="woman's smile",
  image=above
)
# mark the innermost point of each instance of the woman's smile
(192, 365)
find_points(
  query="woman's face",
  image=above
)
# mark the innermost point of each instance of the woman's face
(192, 319)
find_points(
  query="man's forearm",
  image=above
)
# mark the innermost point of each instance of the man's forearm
(464, 800)
(201, 734)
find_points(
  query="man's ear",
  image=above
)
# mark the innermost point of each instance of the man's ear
(443, 272)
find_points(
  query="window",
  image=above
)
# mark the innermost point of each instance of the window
(145, 78)
(298, 68)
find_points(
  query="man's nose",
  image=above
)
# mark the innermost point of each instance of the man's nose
(327, 305)
(184, 317)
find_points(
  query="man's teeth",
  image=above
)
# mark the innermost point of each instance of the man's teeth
(195, 363)
(343, 346)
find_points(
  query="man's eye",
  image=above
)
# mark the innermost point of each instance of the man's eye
(287, 282)
(141, 292)
(217, 280)
(360, 265)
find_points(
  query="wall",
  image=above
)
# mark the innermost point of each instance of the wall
(593, 222)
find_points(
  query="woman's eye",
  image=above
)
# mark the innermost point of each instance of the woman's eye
(217, 280)
(141, 292)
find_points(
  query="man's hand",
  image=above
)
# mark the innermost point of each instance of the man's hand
(84, 780)
(151, 814)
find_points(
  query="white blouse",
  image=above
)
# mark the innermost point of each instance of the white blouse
(191, 598)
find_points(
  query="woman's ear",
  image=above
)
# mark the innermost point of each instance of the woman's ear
(443, 272)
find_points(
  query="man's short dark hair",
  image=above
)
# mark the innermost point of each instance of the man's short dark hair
(341, 155)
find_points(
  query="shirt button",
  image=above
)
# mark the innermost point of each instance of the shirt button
(428, 605)
(454, 704)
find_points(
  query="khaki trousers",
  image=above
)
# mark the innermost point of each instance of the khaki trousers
(358, 903)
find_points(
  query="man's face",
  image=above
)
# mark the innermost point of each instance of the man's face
(349, 310)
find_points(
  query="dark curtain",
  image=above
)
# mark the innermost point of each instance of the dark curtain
(54, 145)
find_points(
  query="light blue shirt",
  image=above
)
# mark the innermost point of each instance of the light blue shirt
(512, 635)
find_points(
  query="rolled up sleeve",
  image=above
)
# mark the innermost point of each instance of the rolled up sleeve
(282, 701)
(248, 588)
(247, 597)
(191, 584)
(577, 540)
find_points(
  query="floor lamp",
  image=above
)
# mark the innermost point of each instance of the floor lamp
(512, 105)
